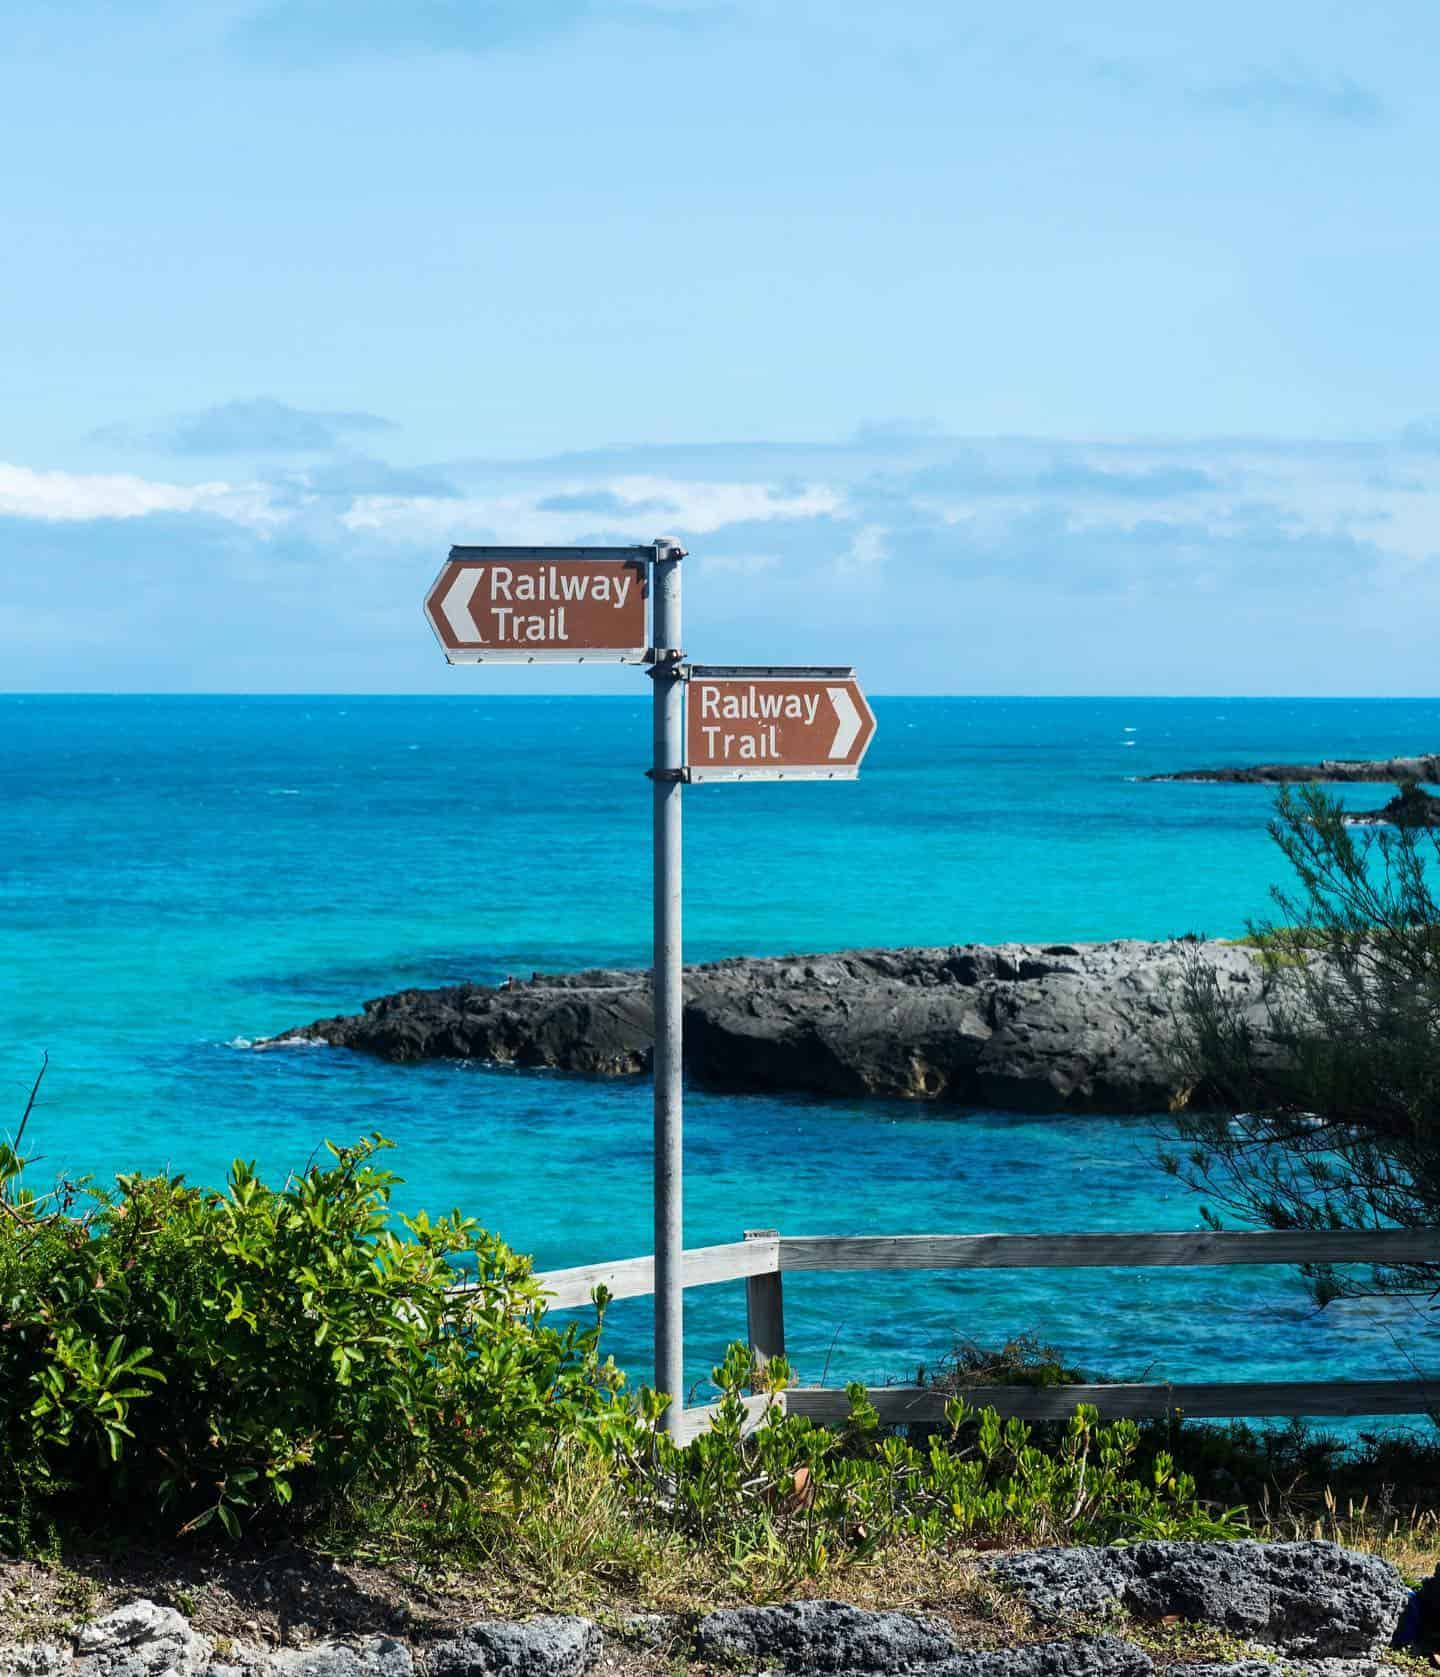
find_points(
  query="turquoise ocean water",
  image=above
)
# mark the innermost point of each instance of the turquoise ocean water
(179, 876)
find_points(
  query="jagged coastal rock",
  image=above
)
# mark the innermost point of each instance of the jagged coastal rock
(1324, 1610)
(1336, 769)
(1309, 1598)
(1411, 806)
(1026, 1027)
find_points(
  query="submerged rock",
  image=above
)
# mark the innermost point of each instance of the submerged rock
(1029, 1027)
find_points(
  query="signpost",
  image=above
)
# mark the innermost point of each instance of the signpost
(542, 605)
(770, 722)
(710, 722)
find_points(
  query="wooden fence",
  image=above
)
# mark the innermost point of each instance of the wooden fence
(764, 1257)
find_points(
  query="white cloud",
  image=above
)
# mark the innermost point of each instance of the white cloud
(740, 564)
(869, 546)
(73, 497)
(649, 506)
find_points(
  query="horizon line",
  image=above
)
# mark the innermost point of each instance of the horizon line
(642, 697)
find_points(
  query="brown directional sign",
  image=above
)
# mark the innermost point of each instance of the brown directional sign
(531, 605)
(773, 723)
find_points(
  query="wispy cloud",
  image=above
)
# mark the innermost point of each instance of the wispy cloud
(1279, 93)
(260, 425)
(1423, 434)
(355, 475)
(604, 503)
(310, 32)
(804, 552)
(73, 497)
(689, 508)
(973, 474)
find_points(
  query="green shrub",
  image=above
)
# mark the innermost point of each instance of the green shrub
(301, 1361)
(815, 1495)
(270, 1357)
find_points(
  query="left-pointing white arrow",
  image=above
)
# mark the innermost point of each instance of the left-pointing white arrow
(456, 607)
(848, 718)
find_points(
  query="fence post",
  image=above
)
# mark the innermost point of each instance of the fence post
(765, 1308)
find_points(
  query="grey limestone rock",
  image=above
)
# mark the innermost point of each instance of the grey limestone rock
(33, 1659)
(828, 1636)
(552, 1645)
(376, 1656)
(1085, 1656)
(1301, 1598)
(140, 1639)
(1228, 1668)
(1030, 1027)
(1283, 1668)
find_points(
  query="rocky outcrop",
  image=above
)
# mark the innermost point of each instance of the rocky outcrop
(1028, 1027)
(552, 1645)
(1339, 770)
(1300, 1598)
(1411, 806)
(823, 1636)
(140, 1639)
(1324, 1607)
(372, 1656)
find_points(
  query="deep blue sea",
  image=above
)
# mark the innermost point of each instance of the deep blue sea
(179, 876)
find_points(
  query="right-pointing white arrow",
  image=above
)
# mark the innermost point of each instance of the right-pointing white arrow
(456, 607)
(848, 718)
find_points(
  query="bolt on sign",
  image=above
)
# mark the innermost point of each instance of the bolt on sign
(532, 605)
(774, 723)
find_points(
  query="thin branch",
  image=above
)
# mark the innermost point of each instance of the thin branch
(34, 1091)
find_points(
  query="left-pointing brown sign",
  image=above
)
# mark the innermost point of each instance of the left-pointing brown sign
(542, 605)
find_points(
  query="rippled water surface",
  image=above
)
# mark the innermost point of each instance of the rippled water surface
(178, 876)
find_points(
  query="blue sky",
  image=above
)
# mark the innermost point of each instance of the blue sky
(1023, 349)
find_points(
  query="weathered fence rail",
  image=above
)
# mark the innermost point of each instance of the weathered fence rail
(764, 1257)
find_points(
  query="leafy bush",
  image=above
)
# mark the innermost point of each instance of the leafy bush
(791, 1488)
(169, 1357)
(301, 1360)
(1022, 1361)
(1328, 1115)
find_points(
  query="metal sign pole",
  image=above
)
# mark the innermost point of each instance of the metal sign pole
(667, 775)
(747, 722)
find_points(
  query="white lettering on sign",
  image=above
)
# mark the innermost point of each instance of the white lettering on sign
(755, 705)
(772, 725)
(763, 746)
(547, 583)
(536, 626)
(515, 606)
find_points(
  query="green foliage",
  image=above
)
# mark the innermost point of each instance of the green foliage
(1330, 1116)
(1412, 805)
(816, 1496)
(171, 1357)
(1022, 1361)
(300, 1361)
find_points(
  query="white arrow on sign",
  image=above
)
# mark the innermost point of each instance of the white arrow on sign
(456, 607)
(848, 718)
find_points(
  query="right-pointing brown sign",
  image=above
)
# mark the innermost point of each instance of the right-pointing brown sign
(768, 723)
